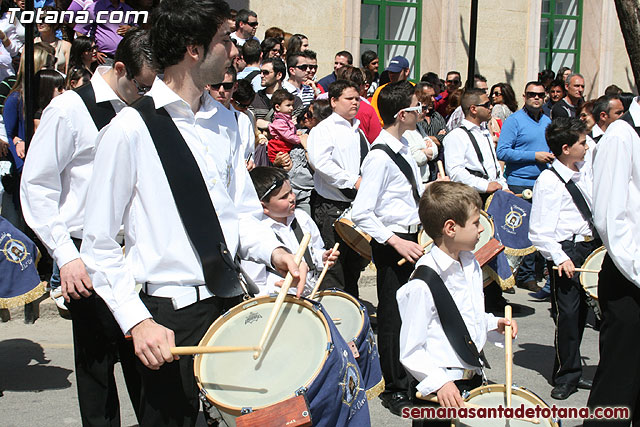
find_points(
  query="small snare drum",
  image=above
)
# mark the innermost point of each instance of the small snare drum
(589, 281)
(352, 235)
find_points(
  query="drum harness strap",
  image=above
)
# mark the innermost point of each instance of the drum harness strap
(295, 226)
(452, 323)
(350, 193)
(404, 167)
(190, 193)
(101, 112)
(484, 174)
(627, 118)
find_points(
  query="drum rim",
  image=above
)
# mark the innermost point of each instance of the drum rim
(586, 261)
(197, 359)
(351, 298)
(350, 224)
(516, 390)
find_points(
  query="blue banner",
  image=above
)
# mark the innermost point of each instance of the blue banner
(19, 279)
(510, 215)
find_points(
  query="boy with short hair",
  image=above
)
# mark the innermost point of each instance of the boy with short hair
(450, 214)
(561, 229)
(284, 135)
(289, 224)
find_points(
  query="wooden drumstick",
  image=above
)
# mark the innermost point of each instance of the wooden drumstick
(434, 399)
(424, 246)
(508, 354)
(441, 169)
(283, 293)
(324, 271)
(526, 194)
(580, 270)
(189, 350)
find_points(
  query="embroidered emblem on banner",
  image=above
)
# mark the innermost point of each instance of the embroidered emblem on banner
(513, 219)
(371, 341)
(350, 384)
(16, 252)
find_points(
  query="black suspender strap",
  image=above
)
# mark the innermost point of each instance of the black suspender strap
(476, 147)
(452, 323)
(595, 138)
(627, 118)
(404, 167)
(579, 200)
(101, 112)
(192, 200)
(297, 230)
(350, 193)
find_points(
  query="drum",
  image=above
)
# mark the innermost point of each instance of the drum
(352, 235)
(485, 236)
(493, 395)
(354, 326)
(304, 353)
(589, 281)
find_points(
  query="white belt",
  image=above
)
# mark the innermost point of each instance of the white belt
(579, 238)
(404, 229)
(181, 295)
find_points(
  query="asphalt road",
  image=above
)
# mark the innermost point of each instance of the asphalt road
(38, 380)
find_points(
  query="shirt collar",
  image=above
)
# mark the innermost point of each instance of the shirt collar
(277, 224)
(388, 139)
(101, 88)
(469, 125)
(339, 120)
(565, 172)
(444, 261)
(163, 96)
(596, 131)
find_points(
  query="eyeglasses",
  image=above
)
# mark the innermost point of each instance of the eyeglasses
(142, 89)
(252, 24)
(486, 105)
(496, 94)
(225, 86)
(276, 183)
(532, 95)
(265, 72)
(454, 81)
(417, 109)
(305, 67)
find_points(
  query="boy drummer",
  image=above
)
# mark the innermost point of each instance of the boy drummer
(450, 213)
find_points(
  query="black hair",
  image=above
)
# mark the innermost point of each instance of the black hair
(508, 95)
(470, 97)
(268, 44)
(563, 130)
(267, 181)
(626, 98)
(309, 54)
(292, 59)
(243, 16)
(77, 74)
(295, 42)
(557, 83)
(134, 51)
(546, 75)
(281, 95)
(251, 51)
(244, 94)
(393, 98)
(321, 109)
(6, 5)
(278, 66)
(561, 72)
(80, 45)
(367, 57)
(352, 74)
(195, 22)
(347, 55)
(55, 10)
(231, 71)
(602, 105)
(336, 88)
(45, 82)
(534, 83)
(612, 90)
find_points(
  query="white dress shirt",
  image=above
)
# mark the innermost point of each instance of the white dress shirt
(129, 187)
(57, 171)
(424, 349)
(417, 145)
(459, 155)
(554, 215)
(334, 154)
(265, 280)
(247, 133)
(385, 197)
(616, 194)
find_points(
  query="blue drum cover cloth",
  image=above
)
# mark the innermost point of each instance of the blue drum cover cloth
(511, 216)
(369, 360)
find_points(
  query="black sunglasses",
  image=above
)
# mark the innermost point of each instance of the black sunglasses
(252, 24)
(141, 89)
(540, 95)
(485, 105)
(455, 81)
(225, 85)
(305, 67)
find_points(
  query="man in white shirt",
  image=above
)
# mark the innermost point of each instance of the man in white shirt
(606, 110)
(477, 167)
(336, 148)
(616, 214)
(130, 186)
(53, 193)
(246, 26)
(386, 208)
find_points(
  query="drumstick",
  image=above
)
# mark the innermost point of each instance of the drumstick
(424, 246)
(324, 271)
(434, 399)
(189, 350)
(508, 355)
(526, 194)
(441, 169)
(580, 270)
(283, 293)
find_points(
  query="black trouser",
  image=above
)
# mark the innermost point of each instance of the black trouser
(98, 343)
(170, 394)
(617, 380)
(345, 273)
(390, 277)
(463, 385)
(569, 305)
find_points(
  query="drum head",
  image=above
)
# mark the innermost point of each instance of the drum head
(593, 262)
(345, 311)
(485, 236)
(292, 357)
(357, 239)
(491, 396)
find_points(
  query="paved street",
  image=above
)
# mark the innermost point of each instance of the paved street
(37, 378)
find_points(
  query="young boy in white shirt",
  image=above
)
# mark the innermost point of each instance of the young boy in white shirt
(561, 229)
(289, 224)
(450, 214)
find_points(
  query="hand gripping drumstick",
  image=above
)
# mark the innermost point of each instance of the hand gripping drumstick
(189, 350)
(424, 246)
(580, 270)
(508, 354)
(283, 293)
(526, 194)
(324, 271)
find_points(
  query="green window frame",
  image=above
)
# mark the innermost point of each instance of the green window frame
(382, 41)
(551, 18)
